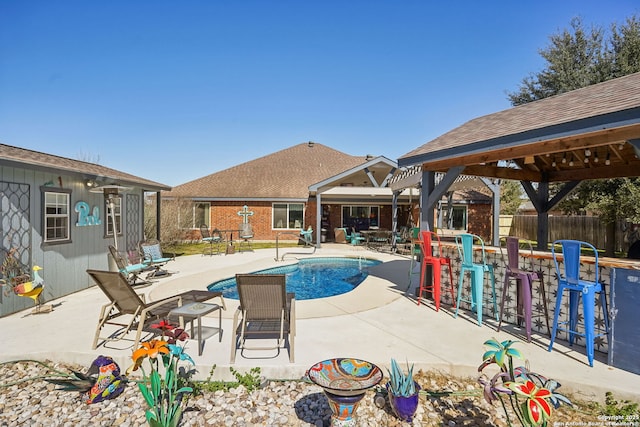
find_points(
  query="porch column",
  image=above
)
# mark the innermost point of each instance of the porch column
(318, 219)
(158, 210)
(394, 218)
(426, 209)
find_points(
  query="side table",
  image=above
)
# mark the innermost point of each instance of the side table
(195, 311)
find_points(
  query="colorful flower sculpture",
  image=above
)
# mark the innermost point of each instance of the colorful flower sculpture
(164, 396)
(531, 395)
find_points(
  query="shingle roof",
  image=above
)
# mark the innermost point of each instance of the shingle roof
(284, 174)
(596, 100)
(16, 156)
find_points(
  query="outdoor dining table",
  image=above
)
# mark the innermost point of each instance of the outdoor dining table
(377, 239)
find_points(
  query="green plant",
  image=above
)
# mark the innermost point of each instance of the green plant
(250, 381)
(163, 395)
(531, 395)
(401, 384)
(617, 408)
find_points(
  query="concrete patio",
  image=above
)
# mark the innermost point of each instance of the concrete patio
(377, 321)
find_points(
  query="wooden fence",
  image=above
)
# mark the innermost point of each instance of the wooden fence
(586, 228)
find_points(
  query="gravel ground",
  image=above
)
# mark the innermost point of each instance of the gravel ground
(35, 402)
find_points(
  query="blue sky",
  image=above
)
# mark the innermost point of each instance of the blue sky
(176, 90)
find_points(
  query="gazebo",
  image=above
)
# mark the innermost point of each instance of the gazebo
(588, 133)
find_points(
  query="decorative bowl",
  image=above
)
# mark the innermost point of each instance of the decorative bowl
(345, 376)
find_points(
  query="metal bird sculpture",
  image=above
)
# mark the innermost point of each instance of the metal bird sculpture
(102, 381)
(32, 289)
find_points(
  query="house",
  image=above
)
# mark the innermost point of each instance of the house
(54, 214)
(308, 184)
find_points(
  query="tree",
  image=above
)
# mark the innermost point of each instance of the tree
(510, 197)
(577, 58)
(175, 223)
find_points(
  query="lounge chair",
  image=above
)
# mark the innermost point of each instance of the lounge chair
(125, 303)
(246, 234)
(131, 272)
(214, 238)
(153, 256)
(266, 311)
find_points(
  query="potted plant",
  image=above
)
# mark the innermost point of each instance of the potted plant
(402, 391)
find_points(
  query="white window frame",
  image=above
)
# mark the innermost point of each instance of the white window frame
(286, 226)
(108, 228)
(207, 214)
(56, 215)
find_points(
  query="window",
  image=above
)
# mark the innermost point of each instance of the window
(201, 214)
(458, 220)
(288, 215)
(360, 217)
(56, 220)
(116, 203)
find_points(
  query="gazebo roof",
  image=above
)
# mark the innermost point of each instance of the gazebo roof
(588, 133)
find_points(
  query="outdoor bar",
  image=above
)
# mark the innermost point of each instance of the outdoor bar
(620, 278)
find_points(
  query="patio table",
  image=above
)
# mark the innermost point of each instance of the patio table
(195, 311)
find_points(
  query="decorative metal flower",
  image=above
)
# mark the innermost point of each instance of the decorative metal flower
(536, 405)
(178, 352)
(500, 351)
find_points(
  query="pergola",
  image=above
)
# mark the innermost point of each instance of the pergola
(588, 133)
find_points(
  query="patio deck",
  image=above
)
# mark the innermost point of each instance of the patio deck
(377, 321)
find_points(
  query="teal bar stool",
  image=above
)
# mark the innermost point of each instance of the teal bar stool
(477, 271)
(579, 289)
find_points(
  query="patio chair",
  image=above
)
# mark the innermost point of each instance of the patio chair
(246, 234)
(266, 311)
(154, 257)
(131, 272)
(125, 303)
(212, 238)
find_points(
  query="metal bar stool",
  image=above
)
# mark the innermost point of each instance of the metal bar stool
(465, 242)
(436, 262)
(569, 280)
(525, 279)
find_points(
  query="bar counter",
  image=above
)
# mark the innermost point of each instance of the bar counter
(538, 261)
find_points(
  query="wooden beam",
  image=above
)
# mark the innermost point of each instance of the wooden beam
(591, 140)
(582, 173)
(503, 173)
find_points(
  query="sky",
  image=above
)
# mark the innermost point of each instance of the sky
(172, 91)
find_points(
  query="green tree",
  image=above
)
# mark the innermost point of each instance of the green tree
(579, 57)
(510, 197)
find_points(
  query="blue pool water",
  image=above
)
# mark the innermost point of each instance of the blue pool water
(312, 277)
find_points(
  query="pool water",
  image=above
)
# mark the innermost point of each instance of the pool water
(312, 277)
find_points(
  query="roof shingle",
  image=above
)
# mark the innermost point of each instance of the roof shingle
(284, 174)
(21, 156)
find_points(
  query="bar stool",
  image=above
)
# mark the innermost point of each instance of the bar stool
(569, 280)
(525, 279)
(465, 242)
(436, 262)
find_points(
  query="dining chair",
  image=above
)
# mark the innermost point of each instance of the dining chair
(436, 261)
(568, 275)
(465, 243)
(524, 279)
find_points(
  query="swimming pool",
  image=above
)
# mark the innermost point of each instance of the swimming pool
(311, 278)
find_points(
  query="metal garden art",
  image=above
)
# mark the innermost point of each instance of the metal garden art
(531, 395)
(164, 395)
(402, 391)
(21, 283)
